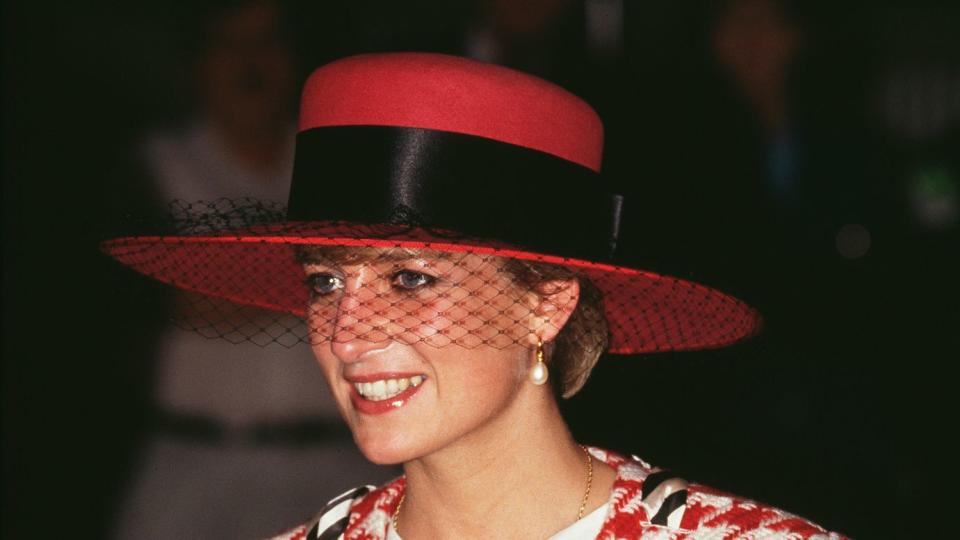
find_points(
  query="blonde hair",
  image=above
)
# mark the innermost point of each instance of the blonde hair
(579, 344)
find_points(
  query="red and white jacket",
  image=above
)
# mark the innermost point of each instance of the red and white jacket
(645, 503)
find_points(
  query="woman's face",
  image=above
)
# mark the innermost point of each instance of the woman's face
(420, 350)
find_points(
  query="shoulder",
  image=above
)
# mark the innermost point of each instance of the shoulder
(650, 502)
(332, 520)
(711, 511)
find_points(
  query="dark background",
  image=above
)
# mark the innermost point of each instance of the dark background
(839, 411)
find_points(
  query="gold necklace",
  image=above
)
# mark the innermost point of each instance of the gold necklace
(583, 503)
(586, 494)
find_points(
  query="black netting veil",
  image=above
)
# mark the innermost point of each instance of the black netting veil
(245, 274)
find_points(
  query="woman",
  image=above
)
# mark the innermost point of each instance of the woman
(448, 216)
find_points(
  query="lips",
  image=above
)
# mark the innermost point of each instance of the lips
(382, 393)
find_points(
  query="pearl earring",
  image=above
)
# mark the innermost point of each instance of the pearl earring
(539, 373)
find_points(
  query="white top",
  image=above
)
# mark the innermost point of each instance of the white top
(584, 529)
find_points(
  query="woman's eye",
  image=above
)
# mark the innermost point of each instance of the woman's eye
(409, 279)
(323, 284)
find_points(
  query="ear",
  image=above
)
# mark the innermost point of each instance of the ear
(556, 301)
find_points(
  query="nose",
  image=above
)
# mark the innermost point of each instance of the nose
(362, 318)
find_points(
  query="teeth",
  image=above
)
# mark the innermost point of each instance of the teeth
(386, 388)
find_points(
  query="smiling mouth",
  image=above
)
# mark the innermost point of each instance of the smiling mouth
(384, 389)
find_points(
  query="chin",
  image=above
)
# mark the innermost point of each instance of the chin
(384, 458)
(384, 451)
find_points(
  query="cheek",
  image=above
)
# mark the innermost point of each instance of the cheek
(455, 319)
(383, 317)
(320, 319)
(324, 359)
(481, 381)
(475, 314)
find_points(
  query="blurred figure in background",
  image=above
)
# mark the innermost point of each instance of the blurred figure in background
(755, 41)
(756, 163)
(242, 445)
(765, 160)
(755, 44)
(239, 140)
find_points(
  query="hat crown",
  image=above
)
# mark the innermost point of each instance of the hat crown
(448, 93)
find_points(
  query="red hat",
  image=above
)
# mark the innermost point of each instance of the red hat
(433, 152)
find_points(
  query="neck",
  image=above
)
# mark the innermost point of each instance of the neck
(490, 485)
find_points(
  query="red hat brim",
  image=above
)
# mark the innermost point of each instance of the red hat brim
(645, 311)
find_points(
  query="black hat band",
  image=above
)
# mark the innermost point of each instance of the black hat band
(453, 182)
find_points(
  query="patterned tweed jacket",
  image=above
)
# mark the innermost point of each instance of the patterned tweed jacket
(645, 503)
